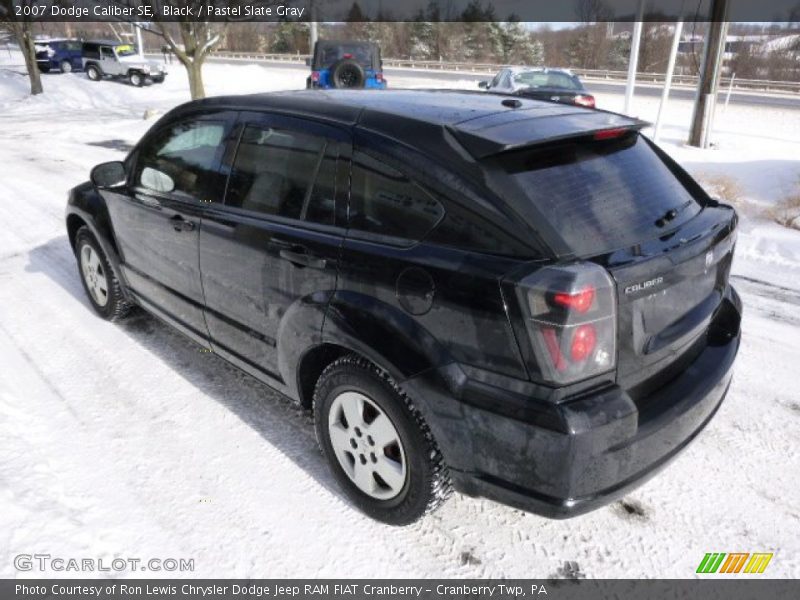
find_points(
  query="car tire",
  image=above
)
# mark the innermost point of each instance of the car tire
(99, 281)
(395, 477)
(136, 79)
(348, 74)
(93, 72)
(65, 66)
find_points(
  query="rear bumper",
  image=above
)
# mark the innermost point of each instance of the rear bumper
(581, 454)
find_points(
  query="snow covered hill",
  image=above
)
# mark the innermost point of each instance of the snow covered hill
(127, 441)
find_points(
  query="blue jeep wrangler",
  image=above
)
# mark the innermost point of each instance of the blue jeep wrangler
(59, 55)
(346, 65)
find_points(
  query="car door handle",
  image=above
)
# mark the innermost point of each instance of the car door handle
(181, 224)
(300, 258)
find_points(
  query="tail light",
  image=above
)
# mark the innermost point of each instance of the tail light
(584, 100)
(315, 76)
(379, 77)
(571, 319)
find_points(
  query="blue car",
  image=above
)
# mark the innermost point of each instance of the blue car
(353, 65)
(59, 55)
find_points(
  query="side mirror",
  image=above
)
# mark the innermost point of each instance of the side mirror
(156, 180)
(484, 85)
(110, 174)
(308, 62)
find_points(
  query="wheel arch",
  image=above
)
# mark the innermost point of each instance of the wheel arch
(87, 208)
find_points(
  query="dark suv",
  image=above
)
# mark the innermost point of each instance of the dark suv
(522, 300)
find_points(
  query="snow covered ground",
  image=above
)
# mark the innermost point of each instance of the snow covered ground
(124, 440)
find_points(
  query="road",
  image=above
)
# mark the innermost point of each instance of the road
(401, 77)
(127, 440)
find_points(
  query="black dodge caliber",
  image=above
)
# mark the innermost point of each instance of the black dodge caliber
(511, 298)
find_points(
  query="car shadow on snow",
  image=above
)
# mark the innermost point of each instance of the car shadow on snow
(279, 420)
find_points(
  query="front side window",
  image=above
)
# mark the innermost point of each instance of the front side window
(106, 52)
(384, 201)
(284, 173)
(182, 159)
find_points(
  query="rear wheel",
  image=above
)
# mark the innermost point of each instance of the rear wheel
(377, 443)
(93, 73)
(99, 282)
(65, 66)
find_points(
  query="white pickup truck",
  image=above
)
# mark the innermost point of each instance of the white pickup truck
(110, 59)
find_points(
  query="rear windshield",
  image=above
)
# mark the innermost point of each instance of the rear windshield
(602, 195)
(361, 53)
(542, 79)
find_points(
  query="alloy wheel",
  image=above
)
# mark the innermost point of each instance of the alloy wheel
(367, 445)
(94, 275)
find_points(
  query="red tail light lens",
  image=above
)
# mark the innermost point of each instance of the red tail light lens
(584, 341)
(315, 76)
(585, 100)
(379, 76)
(580, 301)
(570, 316)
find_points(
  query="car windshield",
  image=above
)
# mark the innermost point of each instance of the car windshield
(546, 79)
(126, 50)
(361, 53)
(601, 195)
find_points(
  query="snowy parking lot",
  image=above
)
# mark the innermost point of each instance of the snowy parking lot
(126, 440)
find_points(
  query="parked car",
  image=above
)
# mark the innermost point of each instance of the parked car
(346, 65)
(541, 83)
(59, 55)
(518, 300)
(112, 59)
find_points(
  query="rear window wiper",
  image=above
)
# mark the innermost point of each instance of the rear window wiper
(671, 214)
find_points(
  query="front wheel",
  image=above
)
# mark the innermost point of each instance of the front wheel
(136, 79)
(65, 66)
(99, 281)
(377, 444)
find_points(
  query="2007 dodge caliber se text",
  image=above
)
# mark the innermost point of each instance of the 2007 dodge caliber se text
(519, 300)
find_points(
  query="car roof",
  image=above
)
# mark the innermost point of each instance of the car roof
(483, 123)
(107, 43)
(523, 69)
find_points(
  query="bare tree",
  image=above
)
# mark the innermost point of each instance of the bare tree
(190, 38)
(21, 28)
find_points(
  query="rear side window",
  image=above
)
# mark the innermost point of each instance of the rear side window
(285, 173)
(386, 202)
(602, 195)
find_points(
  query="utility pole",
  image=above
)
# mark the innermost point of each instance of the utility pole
(676, 40)
(633, 61)
(713, 54)
(139, 45)
(313, 33)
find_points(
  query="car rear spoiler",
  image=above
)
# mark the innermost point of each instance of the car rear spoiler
(512, 130)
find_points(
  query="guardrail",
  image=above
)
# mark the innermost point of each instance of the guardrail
(489, 69)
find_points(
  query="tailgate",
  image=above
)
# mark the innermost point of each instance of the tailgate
(668, 293)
